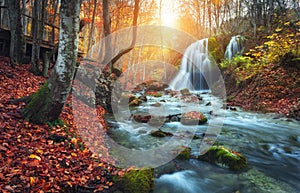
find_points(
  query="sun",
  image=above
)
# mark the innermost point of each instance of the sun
(168, 19)
(167, 13)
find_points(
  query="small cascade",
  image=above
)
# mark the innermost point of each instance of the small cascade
(235, 46)
(183, 181)
(195, 68)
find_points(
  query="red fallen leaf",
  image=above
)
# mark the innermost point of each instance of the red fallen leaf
(33, 163)
(3, 148)
(9, 188)
(2, 176)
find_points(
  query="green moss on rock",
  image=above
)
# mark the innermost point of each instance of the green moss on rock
(137, 181)
(185, 153)
(223, 157)
(160, 133)
(36, 110)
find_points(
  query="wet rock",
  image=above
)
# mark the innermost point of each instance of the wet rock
(200, 98)
(141, 117)
(185, 91)
(154, 93)
(142, 131)
(135, 102)
(136, 181)
(223, 157)
(208, 104)
(231, 108)
(143, 98)
(160, 133)
(156, 104)
(185, 153)
(193, 118)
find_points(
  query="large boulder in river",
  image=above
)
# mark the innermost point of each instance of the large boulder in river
(136, 181)
(193, 118)
(184, 153)
(141, 117)
(223, 157)
(160, 133)
(185, 91)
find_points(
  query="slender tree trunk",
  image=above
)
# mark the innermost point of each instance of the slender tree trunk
(34, 34)
(17, 40)
(107, 32)
(46, 105)
(92, 25)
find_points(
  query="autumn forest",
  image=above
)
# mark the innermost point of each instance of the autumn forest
(149, 96)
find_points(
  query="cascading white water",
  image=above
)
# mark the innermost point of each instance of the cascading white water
(234, 47)
(195, 68)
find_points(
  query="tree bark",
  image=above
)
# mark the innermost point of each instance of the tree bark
(46, 105)
(107, 32)
(17, 40)
(36, 37)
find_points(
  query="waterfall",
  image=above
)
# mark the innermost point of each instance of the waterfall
(195, 68)
(235, 46)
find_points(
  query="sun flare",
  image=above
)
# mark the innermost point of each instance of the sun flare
(168, 15)
(168, 19)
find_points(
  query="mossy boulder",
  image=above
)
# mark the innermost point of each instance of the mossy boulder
(223, 157)
(154, 93)
(135, 102)
(185, 91)
(160, 133)
(184, 153)
(193, 118)
(137, 181)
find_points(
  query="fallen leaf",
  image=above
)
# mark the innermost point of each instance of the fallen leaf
(35, 157)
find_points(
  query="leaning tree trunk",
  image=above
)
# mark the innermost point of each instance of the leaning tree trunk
(17, 40)
(46, 105)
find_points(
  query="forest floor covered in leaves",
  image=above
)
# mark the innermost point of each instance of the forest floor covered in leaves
(276, 89)
(48, 157)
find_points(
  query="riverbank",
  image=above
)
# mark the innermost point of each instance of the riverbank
(44, 158)
(276, 89)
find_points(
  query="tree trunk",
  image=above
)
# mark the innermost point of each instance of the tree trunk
(90, 41)
(17, 40)
(35, 33)
(46, 105)
(107, 32)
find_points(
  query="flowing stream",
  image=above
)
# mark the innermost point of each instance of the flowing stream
(270, 143)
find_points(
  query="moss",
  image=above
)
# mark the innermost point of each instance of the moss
(160, 133)
(135, 102)
(137, 181)
(185, 153)
(225, 158)
(36, 110)
(154, 93)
